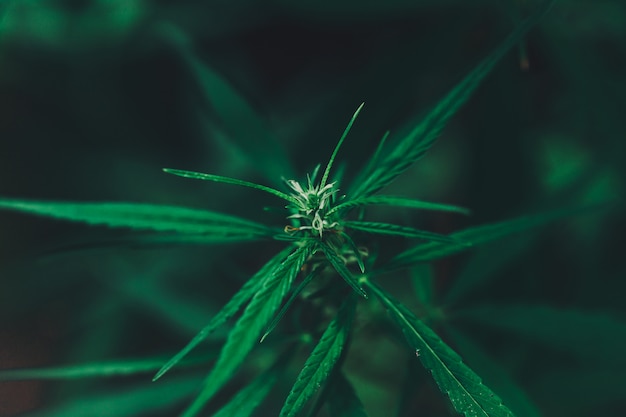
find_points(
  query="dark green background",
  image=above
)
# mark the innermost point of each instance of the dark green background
(97, 96)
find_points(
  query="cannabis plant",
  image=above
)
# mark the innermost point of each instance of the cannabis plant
(327, 276)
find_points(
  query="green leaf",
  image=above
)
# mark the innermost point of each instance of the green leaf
(412, 147)
(590, 336)
(248, 329)
(355, 250)
(341, 268)
(92, 370)
(342, 400)
(469, 396)
(200, 223)
(486, 264)
(322, 360)
(228, 180)
(245, 128)
(422, 278)
(495, 374)
(248, 399)
(478, 235)
(395, 201)
(290, 301)
(130, 401)
(374, 160)
(241, 297)
(334, 154)
(404, 231)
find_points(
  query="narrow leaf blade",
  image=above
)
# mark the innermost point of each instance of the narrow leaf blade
(107, 369)
(228, 180)
(468, 395)
(287, 304)
(496, 374)
(412, 147)
(144, 217)
(342, 400)
(334, 154)
(242, 296)
(404, 231)
(479, 235)
(248, 399)
(341, 268)
(248, 329)
(396, 202)
(322, 360)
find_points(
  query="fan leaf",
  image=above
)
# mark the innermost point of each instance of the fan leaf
(479, 235)
(199, 223)
(340, 266)
(241, 297)
(248, 329)
(468, 395)
(322, 360)
(412, 147)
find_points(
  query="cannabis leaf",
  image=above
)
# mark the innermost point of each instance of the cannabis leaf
(412, 147)
(200, 223)
(342, 400)
(248, 399)
(469, 396)
(248, 329)
(474, 236)
(322, 360)
(241, 297)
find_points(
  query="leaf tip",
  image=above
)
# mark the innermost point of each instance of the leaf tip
(159, 374)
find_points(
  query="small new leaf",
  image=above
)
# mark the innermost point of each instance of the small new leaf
(287, 304)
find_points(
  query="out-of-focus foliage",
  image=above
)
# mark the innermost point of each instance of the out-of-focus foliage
(97, 96)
